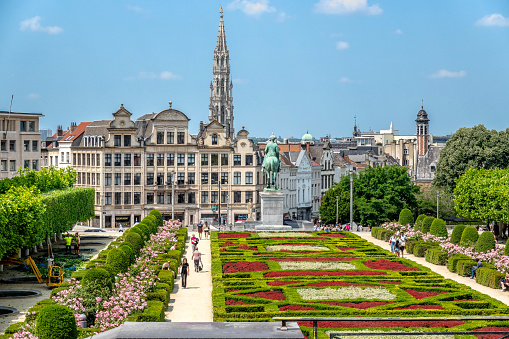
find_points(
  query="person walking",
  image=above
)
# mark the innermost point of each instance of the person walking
(194, 242)
(197, 259)
(200, 230)
(77, 242)
(184, 272)
(68, 243)
(392, 242)
(206, 229)
(402, 243)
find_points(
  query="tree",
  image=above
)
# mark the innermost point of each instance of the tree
(427, 200)
(475, 147)
(378, 193)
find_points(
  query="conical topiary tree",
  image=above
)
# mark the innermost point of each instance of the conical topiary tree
(485, 243)
(426, 224)
(457, 231)
(469, 236)
(406, 217)
(438, 228)
(418, 222)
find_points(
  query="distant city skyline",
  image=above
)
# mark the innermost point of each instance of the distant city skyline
(296, 66)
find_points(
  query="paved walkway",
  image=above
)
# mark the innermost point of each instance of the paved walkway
(193, 303)
(442, 270)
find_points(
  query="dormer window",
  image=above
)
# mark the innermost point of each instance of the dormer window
(214, 139)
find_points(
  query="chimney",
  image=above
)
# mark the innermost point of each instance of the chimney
(60, 132)
(73, 126)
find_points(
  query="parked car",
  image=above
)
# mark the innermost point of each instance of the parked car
(95, 230)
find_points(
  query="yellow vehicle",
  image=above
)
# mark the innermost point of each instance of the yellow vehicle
(55, 273)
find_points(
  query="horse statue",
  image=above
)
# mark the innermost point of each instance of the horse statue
(271, 163)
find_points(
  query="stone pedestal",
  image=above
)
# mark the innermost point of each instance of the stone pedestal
(272, 207)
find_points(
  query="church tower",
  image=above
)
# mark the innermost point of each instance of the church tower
(422, 131)
(221, 99)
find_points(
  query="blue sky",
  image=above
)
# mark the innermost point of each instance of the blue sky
(296, 65)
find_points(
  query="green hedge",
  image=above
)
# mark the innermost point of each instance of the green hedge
(487, 276)
(469, 236)
(436, 256)
(154, 312)
(426, 224)
(457, 231)
(438, 228)
(56, 322)
(166, 277)
(464, 267)
(453, 260)
(117, 260)
(420, 249)
(406, 217)
(485, 243)
(410, 244)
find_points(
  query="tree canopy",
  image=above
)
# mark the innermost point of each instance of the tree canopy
(379, 194)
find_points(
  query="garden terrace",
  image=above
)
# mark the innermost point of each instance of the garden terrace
(334, 275)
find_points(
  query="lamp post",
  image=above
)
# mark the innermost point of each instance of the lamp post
(437, 202)
(337, 199)
(172, 195)
(351, 198)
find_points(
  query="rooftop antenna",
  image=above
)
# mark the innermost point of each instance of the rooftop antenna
(8, 118)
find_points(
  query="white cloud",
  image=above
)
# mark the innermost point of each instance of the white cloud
(342, 45)
(443, 73)
(493, 20)
(346, 7)
(165, 75)
(239, 81)
(33, 25)
(33, 96)
(251, 7)
(345, 79)
(168, 75)
(399, 31)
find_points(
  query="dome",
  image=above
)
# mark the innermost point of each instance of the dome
(307, 137)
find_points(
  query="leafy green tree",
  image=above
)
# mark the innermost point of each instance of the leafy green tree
(475, 147)
(427, 200)
(406, 217)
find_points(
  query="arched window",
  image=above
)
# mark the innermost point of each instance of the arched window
(214, 139)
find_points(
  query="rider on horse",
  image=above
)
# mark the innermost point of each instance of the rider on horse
(271, 162)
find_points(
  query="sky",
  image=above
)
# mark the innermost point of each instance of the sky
(297, 66)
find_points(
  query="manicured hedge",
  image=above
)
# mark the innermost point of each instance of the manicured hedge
(406, 217)
(56, 322)
(436, 256)
(469, 236)
(438, 228)
(485, 243)
(418, 222)
(452, 262)
(426, 224)
(488, 276)
(457, 231)
(420, 249)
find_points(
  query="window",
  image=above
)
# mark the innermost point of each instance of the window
(432, 168)
(118, 179)
(249, 177)
(204, 159)
(237, 159)
(118, 198)
(160, 159)
(23, 126)
(150, 159)
(93, 179)
(127, 198)
(170, 160)
(204, 197)
(137, 179)
(181, 159)
(150, 178)
(214, 178)
(97, 198)
(224, 197)
(237, 196)
(12, 145)
(214, 139)
(204, 178)
(137, 159)
(107, 198)
(107, 179)
(190, 160)
(169, 178)
(127, 178)
(214, 197)
(98, 159)
(224, 178)
(169, 197)
(249, 196)
(3, 165)
(190, 178)
(98, 178)
(405, 151)
(31, 126)
(117, 159)
(127, 143)
(35, 145)
(26, 164)
(150, 198)
(236, 178)
(180, 137)
(214, 159)
(107, 160)
(160, 198)
(12, 165)
(191, 198)
(26, 145)
(160, 178)
(67, 158)
(136, 198)
(224, 159)
(3, 145)
(127, 159)
(249, 159)
(117, 140)
(170, 138)
(181, 198)
(160, 138)
(181, 178)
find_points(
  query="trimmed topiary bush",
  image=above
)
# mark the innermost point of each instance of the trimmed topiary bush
(426, 224)
(469, 236)
(438, 228)
(406, 217)
(451, 263)
(436, 256)
(99, 276)
(135, 240)
(138, 231)
(457, 231)
(117, 260)
(128, 250)
(464, 267)
(418, 222)
(488, 276)
(485, 243)
(56, 322)
(159, 217)
(420, 249)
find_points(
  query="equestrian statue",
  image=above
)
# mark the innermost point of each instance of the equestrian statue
(271, 163)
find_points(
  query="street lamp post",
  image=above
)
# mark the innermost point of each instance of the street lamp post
(351, 198)
(172, 195)
(337, 199)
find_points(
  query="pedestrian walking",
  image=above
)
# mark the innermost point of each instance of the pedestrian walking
(200, 230)
(68, 243)
(194, 242)
(392, 242)
(197, 259)
(402, 243)
(184, 272)
(206, 229)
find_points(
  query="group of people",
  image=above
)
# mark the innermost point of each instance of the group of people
(72, 241)
(398, 243)
(203, 228)
(184, 266)
(335, 228)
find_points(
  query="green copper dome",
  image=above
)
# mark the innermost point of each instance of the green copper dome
(307, 137)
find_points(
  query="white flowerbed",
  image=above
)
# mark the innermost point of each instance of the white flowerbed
(387, 336)
(314, 265)
(296, 248)
(349, 292)
(284, 235)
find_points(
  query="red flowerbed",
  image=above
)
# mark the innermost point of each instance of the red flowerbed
(242, 266)
(419, 307)
(368, 324)
(490, 328)
(228, 243)
(273, 295)
(319, 273)
(336, 283)
(422, 294)
(237, 302)
(296, 308)
(283, 282)
(363, 305)
(342, 248)
(388, 282)
(335, 235)
(233, 235)
(246, 247)
(313, 259)
(387, 265)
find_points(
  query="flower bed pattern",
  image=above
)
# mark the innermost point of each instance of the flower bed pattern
(349, 292)
(309, 265)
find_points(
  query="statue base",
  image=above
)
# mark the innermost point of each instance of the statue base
(272, 207)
